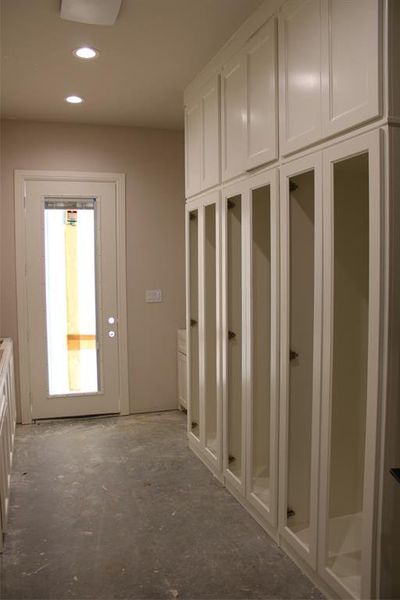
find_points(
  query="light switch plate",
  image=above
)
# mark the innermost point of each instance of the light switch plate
(153, 296)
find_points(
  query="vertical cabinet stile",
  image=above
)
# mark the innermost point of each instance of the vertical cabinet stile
(201, 325)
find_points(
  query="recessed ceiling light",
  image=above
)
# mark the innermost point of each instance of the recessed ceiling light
(86, 53)
(74, 99)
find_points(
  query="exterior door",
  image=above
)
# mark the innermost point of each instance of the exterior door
(72, 300)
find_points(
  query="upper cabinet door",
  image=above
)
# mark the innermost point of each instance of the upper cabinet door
(210, 172)
(234, 117)
(261, 64)
(202, 134)
(193, 146)
(351, 63)
(300, 74)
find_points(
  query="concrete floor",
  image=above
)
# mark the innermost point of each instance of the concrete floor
(120, 508)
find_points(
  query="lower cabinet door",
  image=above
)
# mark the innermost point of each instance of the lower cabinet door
(192, 321)
(352, 333)
(301, 338)
(233, 335)
(262, 293)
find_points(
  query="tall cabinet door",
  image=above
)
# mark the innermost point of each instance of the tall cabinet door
(211, 341)
(234, 115)
(193, 147)
(262, 365)
(352, 333)
(351, 63)
(262, 88)
(300, 74)
(233, 213)
(193, 311)
(301, 335)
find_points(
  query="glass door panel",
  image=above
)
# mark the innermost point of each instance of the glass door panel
(210, 278)
(70, 267)
(194, 321)
(301, 323)
(234, 314)
(261, 343)
(349, 369)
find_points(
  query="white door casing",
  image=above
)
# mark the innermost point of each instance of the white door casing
(31, 190)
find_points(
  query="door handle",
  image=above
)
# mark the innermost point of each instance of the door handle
(293, 355)
(231, 335)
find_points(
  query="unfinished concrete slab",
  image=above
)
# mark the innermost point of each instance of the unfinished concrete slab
(120, 508)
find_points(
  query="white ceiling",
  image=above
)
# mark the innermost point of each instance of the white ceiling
(147, 58)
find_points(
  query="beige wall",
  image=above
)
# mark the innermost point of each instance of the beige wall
(154, 166)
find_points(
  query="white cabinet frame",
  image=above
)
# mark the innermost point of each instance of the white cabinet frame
(368, 143)
(269, 178)
(313, 163)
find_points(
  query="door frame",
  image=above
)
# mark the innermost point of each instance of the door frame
(21, 177)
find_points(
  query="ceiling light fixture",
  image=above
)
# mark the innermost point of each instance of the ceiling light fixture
(86, 53)
(74, 99)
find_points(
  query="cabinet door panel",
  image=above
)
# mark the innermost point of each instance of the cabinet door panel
(262, 142)
(211, 133)
(234, 113)
(193, 148)
(351, 63)
(301, 338)
(300, 65)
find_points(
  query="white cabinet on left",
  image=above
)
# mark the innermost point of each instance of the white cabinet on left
(202, 127)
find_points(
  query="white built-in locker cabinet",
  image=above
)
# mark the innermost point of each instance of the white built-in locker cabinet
(250, 346)
(249, 104)
(330, 68)
(203, 319)
(202, 138)
(330, 369)
(322, 277)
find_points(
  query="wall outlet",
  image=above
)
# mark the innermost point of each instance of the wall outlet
(153, 296)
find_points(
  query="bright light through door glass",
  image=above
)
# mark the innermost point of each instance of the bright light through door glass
(71, 297)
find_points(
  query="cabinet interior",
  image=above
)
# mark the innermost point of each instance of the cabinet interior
(301, 325)
(261, 342)
(194, 321)
(210, 278)
(349, 368)
(234, 314)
